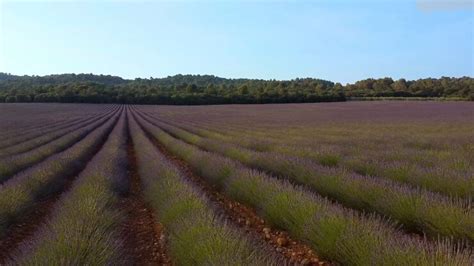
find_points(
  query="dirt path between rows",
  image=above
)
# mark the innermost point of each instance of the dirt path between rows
(143, 237)
(246, 218)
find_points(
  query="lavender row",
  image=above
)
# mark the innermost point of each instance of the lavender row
(197, 235)
(13, 164)
(435, 178)
(386, 163)
(84, 228)
(417, 210)
(45, 126)
(48, 137)
(19, 194)
(380, 134)
(335, 232)
(19, 119)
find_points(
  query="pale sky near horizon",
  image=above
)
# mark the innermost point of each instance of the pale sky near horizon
(341, 41)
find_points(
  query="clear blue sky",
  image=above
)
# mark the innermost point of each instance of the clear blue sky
(336, 40)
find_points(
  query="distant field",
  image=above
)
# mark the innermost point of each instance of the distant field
(351, 183)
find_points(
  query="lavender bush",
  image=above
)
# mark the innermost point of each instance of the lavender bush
(338, 233)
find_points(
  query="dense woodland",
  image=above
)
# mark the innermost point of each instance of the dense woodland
(207, 89)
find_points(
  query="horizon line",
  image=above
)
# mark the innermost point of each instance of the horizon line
(231, 78)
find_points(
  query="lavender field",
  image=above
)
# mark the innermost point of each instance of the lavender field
(350, 183)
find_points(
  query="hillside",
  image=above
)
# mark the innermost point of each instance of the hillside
(208, 89)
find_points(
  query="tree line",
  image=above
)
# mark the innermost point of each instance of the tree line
(208, 89)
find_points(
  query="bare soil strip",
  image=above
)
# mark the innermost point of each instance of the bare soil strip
(246, 218)
(144, 241)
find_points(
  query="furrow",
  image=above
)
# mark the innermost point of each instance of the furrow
(84, 227)
(27, 136)
(9, 166)
(198, 234)
(47, 137)
(335, 232)
(458, 184)
(246, 218)
(143, 237)
(419, 211)
(19, 196)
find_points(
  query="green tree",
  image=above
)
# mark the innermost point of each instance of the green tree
(191, 88)
(10, 99)
(244, 89)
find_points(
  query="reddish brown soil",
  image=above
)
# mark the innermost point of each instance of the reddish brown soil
(143, 237)
(244, 217)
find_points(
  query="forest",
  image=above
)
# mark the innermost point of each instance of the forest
(209, 89)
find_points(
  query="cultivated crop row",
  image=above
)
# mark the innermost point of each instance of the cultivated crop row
(434, 152)
(163, 185)
(20, 135)
(9, 137)
(417, 210)
(13, 164)
(84, 228)
(446, 172)
(335, 232)
(291, 250)
(47, 137)
(19, 194)
(453, 183)
(197, 234)
(13, 127)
